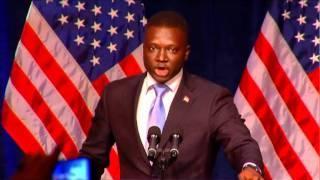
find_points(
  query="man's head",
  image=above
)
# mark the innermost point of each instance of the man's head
(166, 46)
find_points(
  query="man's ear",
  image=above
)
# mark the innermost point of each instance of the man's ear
(186, 55)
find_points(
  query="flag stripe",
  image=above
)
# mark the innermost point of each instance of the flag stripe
(270, 158)
(100, 83)
(52, 124)
(20, 134)
(106, 175)
(50, 95)
(114, 167)
(57, 76)
(286, 154)
(138, 54)
(129, 66)
(287, 91)
(28, 119)
(115, 73)
(267, 175)
(315, 79)
(132, 66)
(62, 57)
(292, 70)
(294, 134)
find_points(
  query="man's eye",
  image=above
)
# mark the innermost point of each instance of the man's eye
(152, 48)
(172, 50)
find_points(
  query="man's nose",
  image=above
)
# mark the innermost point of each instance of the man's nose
(162, 56)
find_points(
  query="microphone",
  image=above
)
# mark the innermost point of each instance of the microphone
(176, 139)
(154, 135)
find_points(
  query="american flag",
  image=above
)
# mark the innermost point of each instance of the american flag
(68, 51)
(279, 91)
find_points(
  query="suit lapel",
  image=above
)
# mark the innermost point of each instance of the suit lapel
(179, 106)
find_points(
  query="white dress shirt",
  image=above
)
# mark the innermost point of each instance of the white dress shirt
(146, 98)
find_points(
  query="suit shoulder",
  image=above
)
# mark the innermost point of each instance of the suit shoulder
(203, 84)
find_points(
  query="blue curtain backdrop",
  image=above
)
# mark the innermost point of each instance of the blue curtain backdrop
(12, 17)
(222, 35)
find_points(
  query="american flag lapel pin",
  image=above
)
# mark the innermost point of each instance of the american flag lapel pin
(186, 99)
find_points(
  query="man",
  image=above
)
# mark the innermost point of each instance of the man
(202, 110)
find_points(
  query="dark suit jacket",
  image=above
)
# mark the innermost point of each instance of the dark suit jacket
(209, 119)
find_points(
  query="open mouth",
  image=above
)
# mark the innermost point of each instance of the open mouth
(161, 71)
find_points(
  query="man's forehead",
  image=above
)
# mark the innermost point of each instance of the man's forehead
(155, 27)
(152, 31)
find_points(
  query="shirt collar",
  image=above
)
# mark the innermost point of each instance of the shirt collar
(173, 83)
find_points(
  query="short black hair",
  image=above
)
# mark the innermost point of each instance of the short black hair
(170, 19)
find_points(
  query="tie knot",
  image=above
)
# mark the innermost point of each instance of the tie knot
(160, 89)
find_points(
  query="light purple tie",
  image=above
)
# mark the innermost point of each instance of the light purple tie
(157, 115)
